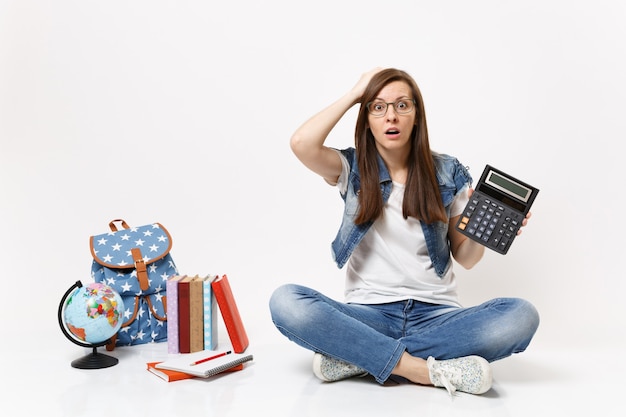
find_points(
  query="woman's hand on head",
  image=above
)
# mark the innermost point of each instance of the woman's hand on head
(361, 85)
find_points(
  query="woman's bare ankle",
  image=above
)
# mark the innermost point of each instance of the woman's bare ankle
(412, 368)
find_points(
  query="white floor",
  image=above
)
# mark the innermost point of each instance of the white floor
(279, 382)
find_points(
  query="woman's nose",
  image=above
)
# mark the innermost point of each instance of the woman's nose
(391, 112)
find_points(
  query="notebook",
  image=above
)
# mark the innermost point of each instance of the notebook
(205, 363)
(171, 376)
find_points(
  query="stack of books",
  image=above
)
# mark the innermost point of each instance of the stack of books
(191, 314)
(191, 308)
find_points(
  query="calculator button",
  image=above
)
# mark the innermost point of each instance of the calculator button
(490, 223)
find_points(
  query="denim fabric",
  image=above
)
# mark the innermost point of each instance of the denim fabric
(374, 337)
(451, 176)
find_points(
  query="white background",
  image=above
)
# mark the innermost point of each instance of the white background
(180, 112)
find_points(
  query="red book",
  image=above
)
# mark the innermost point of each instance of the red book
(230, 314)
(167, 375)
(184, 335)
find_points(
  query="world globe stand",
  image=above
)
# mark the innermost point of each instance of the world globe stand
(94, 360)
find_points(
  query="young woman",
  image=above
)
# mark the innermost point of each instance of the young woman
(401, 315)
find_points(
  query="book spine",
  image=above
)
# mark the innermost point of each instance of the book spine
(230, 313)
(171, 288)
(210, 315)
(196, 332)
(183, 316)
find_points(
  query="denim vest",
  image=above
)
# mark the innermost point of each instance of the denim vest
(451, 176)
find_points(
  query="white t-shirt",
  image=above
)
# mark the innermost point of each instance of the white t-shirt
(391, 263)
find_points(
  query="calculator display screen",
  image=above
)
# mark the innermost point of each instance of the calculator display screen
(508, 186)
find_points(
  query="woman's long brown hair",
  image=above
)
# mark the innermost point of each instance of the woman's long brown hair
(422, 199)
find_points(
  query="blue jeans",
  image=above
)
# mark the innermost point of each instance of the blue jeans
(374, 336)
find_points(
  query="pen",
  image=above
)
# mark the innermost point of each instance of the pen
(209, 358)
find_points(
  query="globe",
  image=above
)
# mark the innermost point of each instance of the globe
(89, 316)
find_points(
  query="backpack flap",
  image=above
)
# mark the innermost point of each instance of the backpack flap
(131, 251)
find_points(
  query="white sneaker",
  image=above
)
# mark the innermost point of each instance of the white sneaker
(470, 374)
(329, 369)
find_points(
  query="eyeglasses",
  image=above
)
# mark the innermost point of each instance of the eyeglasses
(379, 108)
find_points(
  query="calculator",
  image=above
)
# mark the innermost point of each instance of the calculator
(496, 209)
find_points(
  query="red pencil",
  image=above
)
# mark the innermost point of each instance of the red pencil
(209, 358)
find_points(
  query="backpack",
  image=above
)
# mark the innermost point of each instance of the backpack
(136, 262)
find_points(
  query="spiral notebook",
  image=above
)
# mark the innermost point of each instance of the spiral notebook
(204, 363)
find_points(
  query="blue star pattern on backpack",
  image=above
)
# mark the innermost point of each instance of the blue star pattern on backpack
(136, 262)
